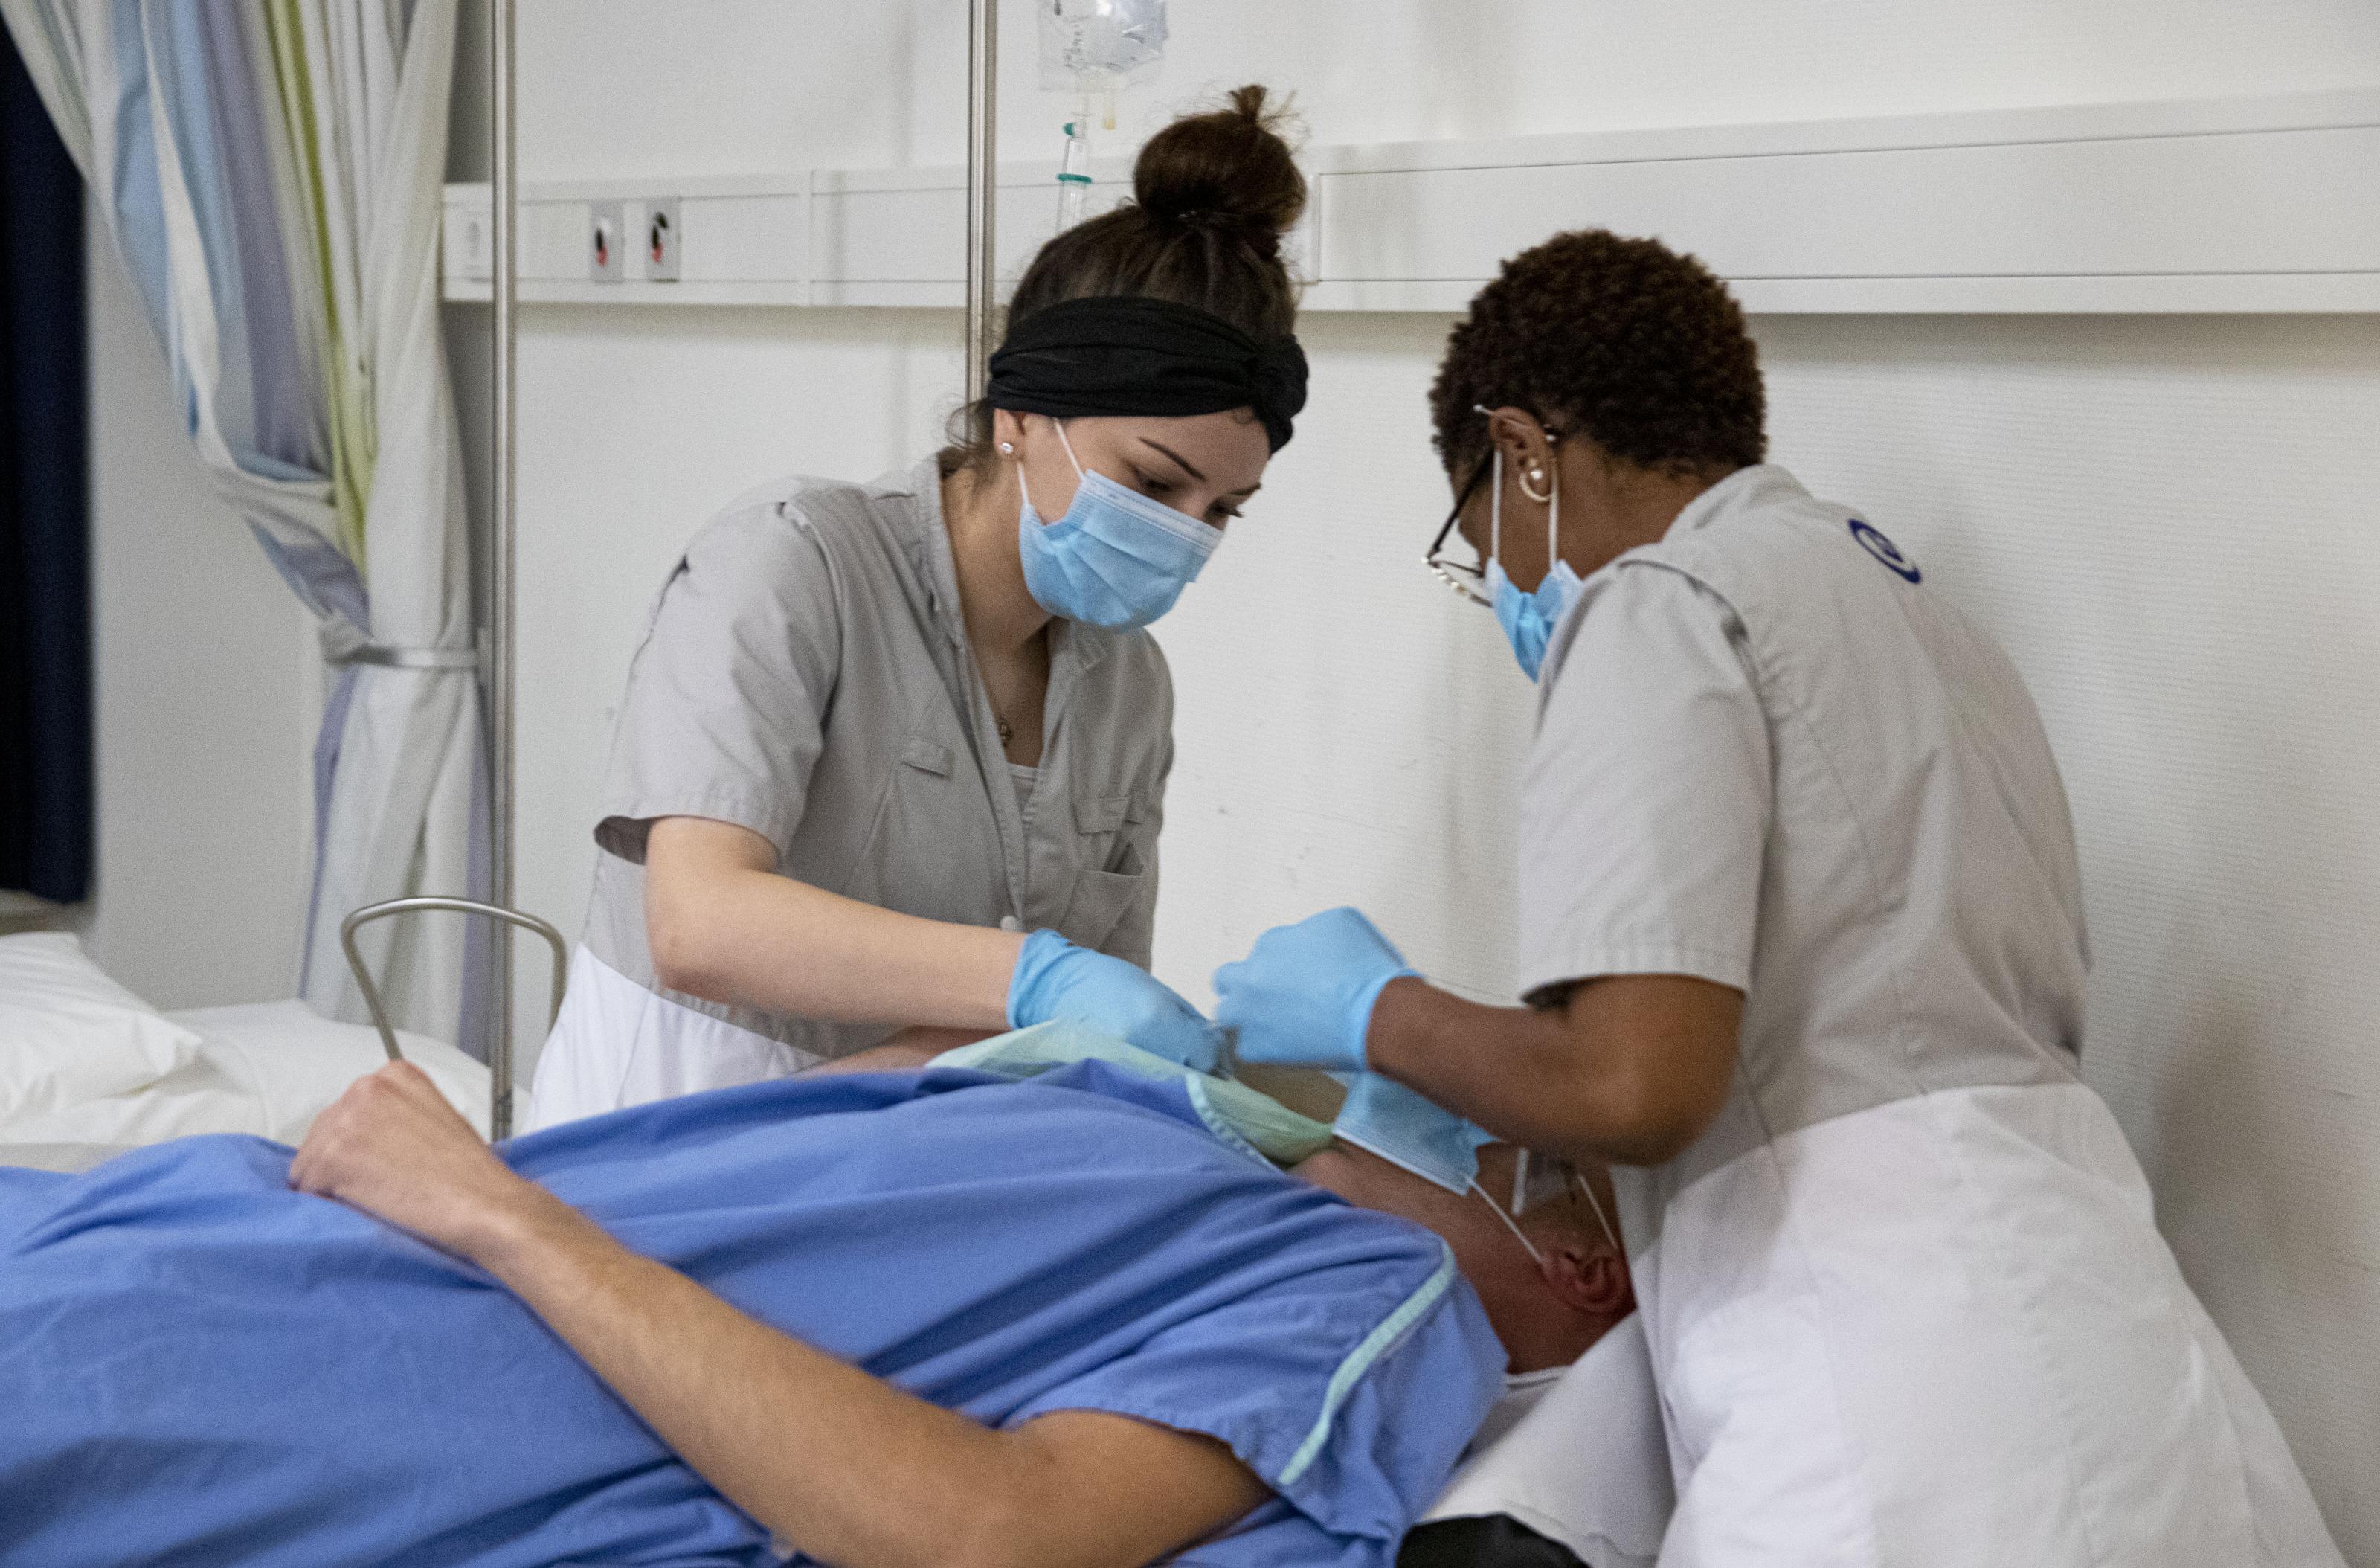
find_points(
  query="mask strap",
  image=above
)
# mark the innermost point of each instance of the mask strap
(1026, 490)
(1553, 526)
(1596, 1204)
(1495, 491)
(1496, 511)
(1511, 1224)
(1060, 426)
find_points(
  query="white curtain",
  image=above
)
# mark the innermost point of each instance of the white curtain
(271, 173)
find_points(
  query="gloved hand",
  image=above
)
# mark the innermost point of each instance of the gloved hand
(1304, 994)
(1054, 978)
(1406, 1129)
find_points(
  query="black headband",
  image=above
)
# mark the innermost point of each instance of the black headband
(1126, 354)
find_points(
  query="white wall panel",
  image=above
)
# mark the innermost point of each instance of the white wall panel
(2160, 196)
(738, 240)
(734, 87)
(2268, 203)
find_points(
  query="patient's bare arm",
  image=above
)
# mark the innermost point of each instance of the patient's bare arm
(905, 1052)
(846, 1466)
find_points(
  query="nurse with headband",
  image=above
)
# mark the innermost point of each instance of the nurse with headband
(895, 753)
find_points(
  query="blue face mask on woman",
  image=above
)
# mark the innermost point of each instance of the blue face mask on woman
(1528, 619)
(1117, 558)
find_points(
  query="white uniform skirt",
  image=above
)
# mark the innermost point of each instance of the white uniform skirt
(1945, 1333)
(616, 1044)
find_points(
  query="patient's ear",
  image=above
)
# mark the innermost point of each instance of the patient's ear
(1589, 1279)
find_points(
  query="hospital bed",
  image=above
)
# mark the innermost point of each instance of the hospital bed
(89, 1070)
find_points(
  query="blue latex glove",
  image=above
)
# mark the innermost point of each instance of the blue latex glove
(1054, 978)
(1304, 994)
(1406, 1129)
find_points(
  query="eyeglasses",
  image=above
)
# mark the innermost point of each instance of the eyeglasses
(1567, 1180)
(1460, 576)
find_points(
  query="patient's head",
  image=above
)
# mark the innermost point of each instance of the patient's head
(1547, 1309)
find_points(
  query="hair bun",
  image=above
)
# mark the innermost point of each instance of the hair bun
(1228, 172)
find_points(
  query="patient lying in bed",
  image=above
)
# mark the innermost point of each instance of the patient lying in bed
(919, 1317)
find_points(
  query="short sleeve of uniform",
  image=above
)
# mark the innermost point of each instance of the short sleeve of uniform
(727, 697)
(1646, 803)
(1350, 1385)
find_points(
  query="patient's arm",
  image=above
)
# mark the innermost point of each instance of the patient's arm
(906, 1051)
(844, 1465)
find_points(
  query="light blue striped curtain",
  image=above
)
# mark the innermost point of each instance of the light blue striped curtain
(271, 171)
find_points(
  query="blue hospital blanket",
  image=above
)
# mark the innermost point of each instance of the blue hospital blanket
(199, 1366)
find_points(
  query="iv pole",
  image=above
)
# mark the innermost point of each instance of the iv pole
(983, 167)
(499, 650)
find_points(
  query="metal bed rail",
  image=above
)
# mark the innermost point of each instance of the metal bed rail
(499, 1055)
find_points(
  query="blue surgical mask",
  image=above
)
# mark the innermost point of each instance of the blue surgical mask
(1409, 1131)
(1117, 558)
(1528, 619)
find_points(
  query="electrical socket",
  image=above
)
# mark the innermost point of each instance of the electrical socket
(606, 243)
(663, 239)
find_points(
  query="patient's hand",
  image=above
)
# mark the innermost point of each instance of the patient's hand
(393, 1146)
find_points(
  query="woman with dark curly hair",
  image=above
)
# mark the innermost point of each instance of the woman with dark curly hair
(1801, 941)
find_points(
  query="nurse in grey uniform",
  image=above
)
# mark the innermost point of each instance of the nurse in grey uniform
(1802, 952)
(895, 753)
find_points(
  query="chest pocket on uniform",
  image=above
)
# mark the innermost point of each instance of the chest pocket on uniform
(927, 756)
(932, 849)
(1113, 875)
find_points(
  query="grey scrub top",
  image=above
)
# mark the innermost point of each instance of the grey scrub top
(806, 674)
(1770, 755)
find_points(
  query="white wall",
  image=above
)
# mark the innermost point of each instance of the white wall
(206, 693)
(630, 86)
(2169, 520)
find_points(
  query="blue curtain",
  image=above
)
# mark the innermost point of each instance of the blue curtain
(45, 766)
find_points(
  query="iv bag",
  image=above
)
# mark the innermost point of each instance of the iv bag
(1099, 45)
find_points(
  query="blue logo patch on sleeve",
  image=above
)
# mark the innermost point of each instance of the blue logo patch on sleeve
(1884, 550)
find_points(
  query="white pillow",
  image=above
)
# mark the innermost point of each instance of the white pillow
(69, 1034)
(297, 1062)
(199, 1096)
(267, 1068)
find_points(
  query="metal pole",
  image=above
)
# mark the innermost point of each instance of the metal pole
(505, 920)
(501, 605)
(983, 168)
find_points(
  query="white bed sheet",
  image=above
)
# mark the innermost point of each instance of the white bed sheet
(1588, 1467)
(64, 1157)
